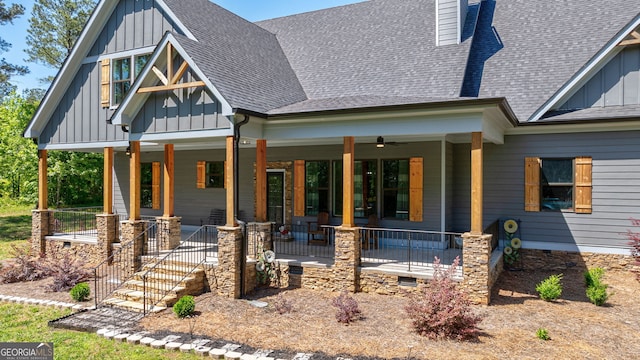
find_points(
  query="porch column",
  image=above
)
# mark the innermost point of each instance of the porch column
(261, 181)
(134, 181)
(347, 236)
(107, 223)
(476, 251)
(41, 218)
(169, 225)
(229, 177)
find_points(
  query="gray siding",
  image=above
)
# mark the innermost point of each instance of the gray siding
(618, 83)
(195, 204)
(79, 118)
(616, 189)
(180, 110)
(133, 24)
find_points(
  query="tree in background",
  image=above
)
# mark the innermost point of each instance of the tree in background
(7, 14)
(54, 27)
(18, 156)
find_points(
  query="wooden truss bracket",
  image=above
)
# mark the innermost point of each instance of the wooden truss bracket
(631, 39)
(170, 80)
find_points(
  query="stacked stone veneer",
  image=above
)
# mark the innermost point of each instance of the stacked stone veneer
(131, 256)
(41, 226)
(108, 233)
(476, 267)
(224, 279)
(168, 232)
(531, 259)
(259, 238)
(347, 259)
(88, 253)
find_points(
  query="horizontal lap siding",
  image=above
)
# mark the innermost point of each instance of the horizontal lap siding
(616, 186)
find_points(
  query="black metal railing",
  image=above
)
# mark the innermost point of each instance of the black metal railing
(110, 274)
(74, 223)
(407, 248)
(293, 240)
(169, 271)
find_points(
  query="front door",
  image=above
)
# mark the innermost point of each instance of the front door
(275, 196)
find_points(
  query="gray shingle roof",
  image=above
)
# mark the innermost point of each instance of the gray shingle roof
(242, 60)
(541, 45)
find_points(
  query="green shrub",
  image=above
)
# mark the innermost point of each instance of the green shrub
(593, 276)
(80, 292)
(185, 307)
(597, 294)
(550, 288)
(542, 334)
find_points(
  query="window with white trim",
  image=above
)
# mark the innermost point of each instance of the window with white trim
(123, 72)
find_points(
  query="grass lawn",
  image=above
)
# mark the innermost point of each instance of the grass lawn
(15, 227)
(22, 323)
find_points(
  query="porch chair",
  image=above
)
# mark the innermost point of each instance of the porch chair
(315, 229)
(369, 235)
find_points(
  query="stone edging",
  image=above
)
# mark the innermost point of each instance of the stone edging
(29, 301)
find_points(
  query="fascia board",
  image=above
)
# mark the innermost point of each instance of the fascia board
(176, 19)
(580, 78)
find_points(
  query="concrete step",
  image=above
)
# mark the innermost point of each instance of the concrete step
(138, 296)
(172, 268)
(153, 286)
(168, 278)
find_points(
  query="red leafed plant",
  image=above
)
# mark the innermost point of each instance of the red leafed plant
(634, 241)
(442, 311)
(347, 308)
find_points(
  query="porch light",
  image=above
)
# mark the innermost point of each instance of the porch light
(380, 142)
(128, 151)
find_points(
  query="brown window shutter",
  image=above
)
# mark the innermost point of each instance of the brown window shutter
(415, 188)
(299, 181)
(155, 185)
(583, 185)
(105, 82)
(201, 174)
(224, 177)
(532, 184)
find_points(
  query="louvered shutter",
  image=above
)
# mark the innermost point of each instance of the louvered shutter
(532, 184)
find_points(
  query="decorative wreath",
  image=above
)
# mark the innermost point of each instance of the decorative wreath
(516, 243)
(508, 250)
(510, 226)
(269, 256)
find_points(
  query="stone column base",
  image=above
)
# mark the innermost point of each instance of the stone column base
(476, 267)
(41, 221)
(227, 275)
(132, 255)
(168, 232)
(347, 258)
(258, 238)
(108, 233)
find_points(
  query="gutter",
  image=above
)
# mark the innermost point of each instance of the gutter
(236, 197)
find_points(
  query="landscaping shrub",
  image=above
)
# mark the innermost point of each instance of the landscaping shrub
(282, 305)
(443, 310)
(550, 288)
(347, 308)
(185, 307)
(25, 266)
(542, 334)
(634, 242)
(596, 289)
(80, 292)
(66, 270)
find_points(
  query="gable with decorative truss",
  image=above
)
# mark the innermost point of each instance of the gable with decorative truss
(171, 94)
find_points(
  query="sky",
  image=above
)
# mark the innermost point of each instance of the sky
(252, 10)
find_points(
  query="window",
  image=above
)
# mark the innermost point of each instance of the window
(150, 185)
(122, 75)
(364, 187)
(395, 189)
(210, 174)
(316, 187)
(557, 184)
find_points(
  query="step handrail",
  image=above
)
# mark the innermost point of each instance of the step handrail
(195, 258)
(99, 297)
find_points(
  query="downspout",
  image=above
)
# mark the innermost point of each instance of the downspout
(236, 197)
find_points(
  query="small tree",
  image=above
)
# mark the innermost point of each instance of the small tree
(634, 242)
(347, 308)
(443, 310)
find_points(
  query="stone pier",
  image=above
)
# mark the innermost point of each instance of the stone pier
(225, 278)
(41, 226)
(168, 232)
(108, 233)
(132, 257)
(476, 267)
(347, 258)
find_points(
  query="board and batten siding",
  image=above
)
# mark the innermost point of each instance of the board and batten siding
(134, 24)
(79, 116)
(180, 110)
(617, 84)
(615, 179)
(194, 205)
